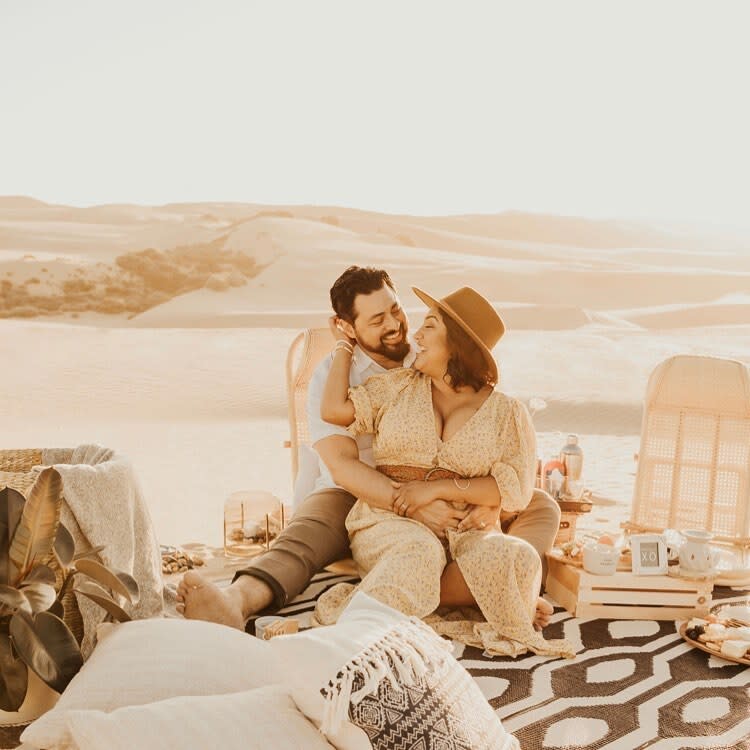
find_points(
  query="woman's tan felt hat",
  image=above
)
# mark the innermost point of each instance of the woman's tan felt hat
(474, 314)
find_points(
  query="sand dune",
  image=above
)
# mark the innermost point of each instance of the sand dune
(163, 331)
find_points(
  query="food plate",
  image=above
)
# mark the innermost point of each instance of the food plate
(739, 610)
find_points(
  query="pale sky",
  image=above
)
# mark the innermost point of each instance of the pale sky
(604, 109)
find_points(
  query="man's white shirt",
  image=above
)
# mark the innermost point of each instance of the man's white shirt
(313, 474)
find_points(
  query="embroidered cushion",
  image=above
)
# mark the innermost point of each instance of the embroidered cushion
(378, 679)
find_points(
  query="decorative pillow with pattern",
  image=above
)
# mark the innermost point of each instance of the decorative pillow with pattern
(407, 691)
(378, 679)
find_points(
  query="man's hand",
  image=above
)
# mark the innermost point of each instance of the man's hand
(479, 517)
(408, 497)
(438, 516)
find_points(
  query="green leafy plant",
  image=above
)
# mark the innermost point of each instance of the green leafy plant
(39, 571)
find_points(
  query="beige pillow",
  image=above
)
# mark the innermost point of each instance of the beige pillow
(380, 679)
(260, 719)
(319, 653)
(150, 660)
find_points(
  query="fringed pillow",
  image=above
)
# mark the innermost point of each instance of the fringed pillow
(399, 687)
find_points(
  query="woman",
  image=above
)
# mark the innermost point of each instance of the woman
(441, 422)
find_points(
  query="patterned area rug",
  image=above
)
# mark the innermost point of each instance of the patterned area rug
(634, 684)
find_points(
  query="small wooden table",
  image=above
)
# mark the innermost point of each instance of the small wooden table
(623, 595)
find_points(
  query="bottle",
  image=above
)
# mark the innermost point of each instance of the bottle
(571, 456)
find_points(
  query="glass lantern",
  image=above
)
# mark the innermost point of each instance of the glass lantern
(252, 520)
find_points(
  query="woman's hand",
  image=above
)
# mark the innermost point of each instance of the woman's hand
(337, 329)
(411, 496)
(480, 517)
(439, 516)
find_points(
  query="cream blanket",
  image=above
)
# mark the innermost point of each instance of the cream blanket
(104, 505)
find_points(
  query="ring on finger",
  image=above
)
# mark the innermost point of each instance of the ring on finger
(483, 524)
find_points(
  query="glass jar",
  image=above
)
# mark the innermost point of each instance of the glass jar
(252, 520)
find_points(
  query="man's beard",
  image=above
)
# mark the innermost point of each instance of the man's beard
(394, 352)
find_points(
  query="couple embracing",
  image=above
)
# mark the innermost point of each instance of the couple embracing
(426, 479)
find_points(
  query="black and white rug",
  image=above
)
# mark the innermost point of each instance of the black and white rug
(634, 684)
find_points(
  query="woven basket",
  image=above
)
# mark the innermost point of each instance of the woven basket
(19, 470)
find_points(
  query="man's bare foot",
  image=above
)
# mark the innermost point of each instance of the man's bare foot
(543, 612)
(198, 599)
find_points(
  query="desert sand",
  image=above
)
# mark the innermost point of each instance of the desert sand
(163, 331)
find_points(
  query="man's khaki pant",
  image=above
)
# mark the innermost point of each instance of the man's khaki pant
(316, 537)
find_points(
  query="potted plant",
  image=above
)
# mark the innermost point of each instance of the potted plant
(39, 571)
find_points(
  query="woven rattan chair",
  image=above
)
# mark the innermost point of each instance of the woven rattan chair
(305, 352)
(694, 459)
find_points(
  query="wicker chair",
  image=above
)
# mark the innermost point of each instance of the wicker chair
(305, 352)
(694, 459)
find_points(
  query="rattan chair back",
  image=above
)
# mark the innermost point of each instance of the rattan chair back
(305, 352)
(694, 458)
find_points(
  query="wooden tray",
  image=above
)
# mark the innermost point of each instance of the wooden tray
(703, 647)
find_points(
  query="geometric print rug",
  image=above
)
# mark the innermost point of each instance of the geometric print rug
(633, 684)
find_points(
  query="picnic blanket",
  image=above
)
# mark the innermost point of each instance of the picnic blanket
(633, 684)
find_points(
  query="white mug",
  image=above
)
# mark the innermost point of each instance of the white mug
(600, 559)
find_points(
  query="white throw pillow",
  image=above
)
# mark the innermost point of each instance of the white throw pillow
(379, 676)
(257, 719)
(318, 653)
(149, 660)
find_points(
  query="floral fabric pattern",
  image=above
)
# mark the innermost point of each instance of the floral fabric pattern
(401, 561)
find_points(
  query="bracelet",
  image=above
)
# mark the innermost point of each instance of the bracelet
(345, 345)
(455, 481)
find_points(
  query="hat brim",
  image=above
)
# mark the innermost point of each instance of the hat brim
(456, 318)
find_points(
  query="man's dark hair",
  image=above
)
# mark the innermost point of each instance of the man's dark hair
(354, 281)
(467, 365)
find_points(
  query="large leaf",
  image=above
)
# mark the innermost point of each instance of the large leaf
(57, 609)
(41, 574)
(14, 676)
(109, 578)
(47, 646)
(35, 534)
(40, 596)
(90, 552)
(97, 594)
(11, 508)
(130, 584)
(65, 546)
(11, 599)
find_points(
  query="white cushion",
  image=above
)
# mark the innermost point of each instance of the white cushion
(318, 653)
(386, 677)
(262, 718)
(149, 660)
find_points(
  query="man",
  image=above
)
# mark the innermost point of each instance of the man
(368, 310)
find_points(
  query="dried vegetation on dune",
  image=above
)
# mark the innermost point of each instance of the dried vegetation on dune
(137, 281)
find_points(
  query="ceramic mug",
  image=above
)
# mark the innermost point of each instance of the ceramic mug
(600, 559)
(696, 555)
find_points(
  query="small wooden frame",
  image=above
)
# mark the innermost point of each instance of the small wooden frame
(649, 552)
(625, 596)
